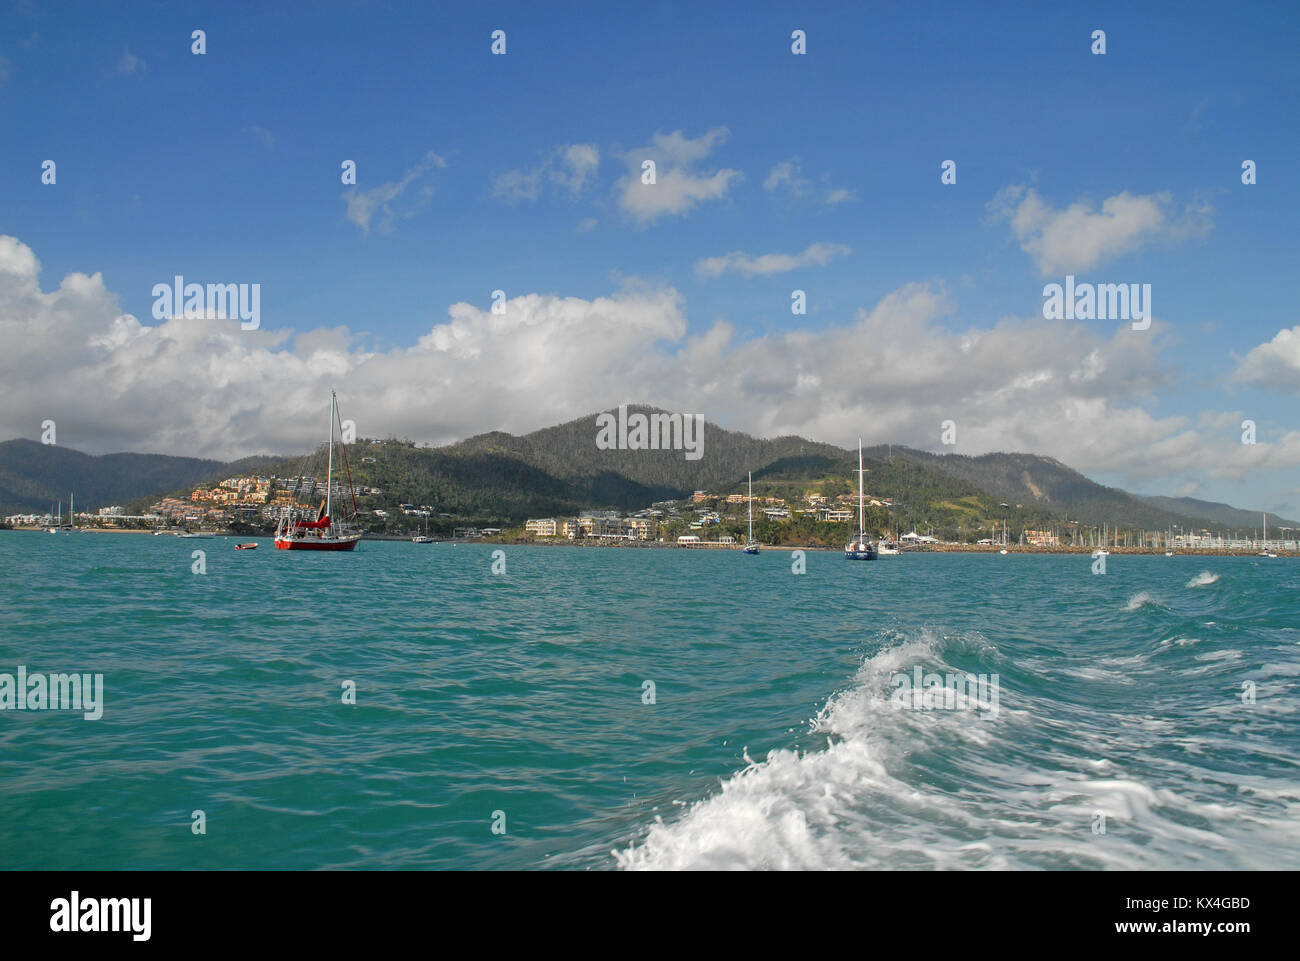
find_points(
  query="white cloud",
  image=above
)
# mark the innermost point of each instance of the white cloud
(1274, 365)
(788, 177)
(578, 162)
(1083, 235)
(742, 263)
(381, 203)
(516, 185)
(679, 186)
(891, 373)
(130, 63)
(568, 167)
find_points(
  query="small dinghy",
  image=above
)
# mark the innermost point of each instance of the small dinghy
(245, 547)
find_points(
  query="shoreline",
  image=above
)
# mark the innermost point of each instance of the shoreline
(926, 549)
(655, 545)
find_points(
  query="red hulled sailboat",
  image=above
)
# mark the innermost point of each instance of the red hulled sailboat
(325, 533)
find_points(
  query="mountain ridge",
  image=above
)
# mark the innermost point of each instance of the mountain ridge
(560, 469)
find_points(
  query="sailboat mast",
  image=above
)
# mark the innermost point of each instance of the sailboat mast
(862, 526)
(751, 507)
(329, 470)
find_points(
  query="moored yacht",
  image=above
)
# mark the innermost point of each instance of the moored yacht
(1265, 551)
(325, 533)
(424, 537)
(860, 547)
(751, 545)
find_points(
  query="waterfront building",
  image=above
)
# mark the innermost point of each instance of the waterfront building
(541, 527)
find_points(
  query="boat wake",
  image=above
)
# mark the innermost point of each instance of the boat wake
(1202, 579)
(810, 810)
(897, 788)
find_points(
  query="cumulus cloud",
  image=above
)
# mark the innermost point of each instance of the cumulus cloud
(383, 205)
(1081, 236)
(1276, 449)
(680, 183)
(891, 373)
(1274, 365)
(740, 262)
(569, 168)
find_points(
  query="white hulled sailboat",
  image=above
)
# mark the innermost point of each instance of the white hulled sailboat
(751, 545)
(860, 547)
(424, 537)
(325, 533)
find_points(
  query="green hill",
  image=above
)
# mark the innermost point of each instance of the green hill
(1049, 488)
(1220, 513)
(500, 478)
(35, 476)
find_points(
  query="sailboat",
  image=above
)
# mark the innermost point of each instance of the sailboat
(751, 545)
(60, 527)
(1264, 552)
(325, 533)
(423, 538)
(860, 547)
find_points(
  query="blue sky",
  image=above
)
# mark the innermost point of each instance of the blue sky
(225, 168)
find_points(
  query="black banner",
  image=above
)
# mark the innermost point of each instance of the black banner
(1162, 910)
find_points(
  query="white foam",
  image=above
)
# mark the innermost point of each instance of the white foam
(1228, 655)
(813, 810)
(1138, 600)
(1202, 579)
(1009, 794)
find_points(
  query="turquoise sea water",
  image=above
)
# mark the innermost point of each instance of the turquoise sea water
(772, 740)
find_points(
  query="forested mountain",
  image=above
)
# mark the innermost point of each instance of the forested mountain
(1048, 485)
(500, 477)
(569, 451)
(34, 476)
(1221, 513)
